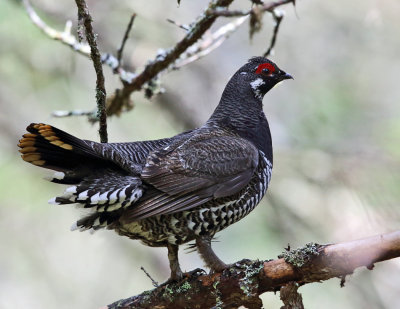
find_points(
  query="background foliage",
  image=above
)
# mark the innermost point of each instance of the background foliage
(336, 135)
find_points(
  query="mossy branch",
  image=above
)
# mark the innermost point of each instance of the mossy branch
(85, 22)
(244, 281)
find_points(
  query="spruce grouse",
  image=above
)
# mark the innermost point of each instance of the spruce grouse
(170, 191)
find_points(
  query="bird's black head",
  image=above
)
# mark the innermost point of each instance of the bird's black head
(261, 75)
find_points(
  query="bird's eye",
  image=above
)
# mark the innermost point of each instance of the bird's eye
(265, 69)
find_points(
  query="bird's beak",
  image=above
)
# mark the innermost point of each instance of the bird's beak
(284, 75)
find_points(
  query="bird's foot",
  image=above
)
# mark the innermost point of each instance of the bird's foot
(225, 267)
(242, 262)
(195, 273)
(180, 276)
(218, 268)
(170, 281)
(176, 275)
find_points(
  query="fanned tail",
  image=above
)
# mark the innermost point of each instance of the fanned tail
(99, 184)
(49, 147)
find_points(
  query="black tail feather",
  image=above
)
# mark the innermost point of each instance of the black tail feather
(49, 147)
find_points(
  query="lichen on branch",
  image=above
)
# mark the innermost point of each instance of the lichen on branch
(244, 281)
(85, 22)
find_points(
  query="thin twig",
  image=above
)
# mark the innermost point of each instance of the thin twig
(278, 16)
(76, 112)
(153, 282)
(209, 43)
(268, 7)
(126, 36)
(86, 20)
(168, 57)
(64, 37)
(182, 26)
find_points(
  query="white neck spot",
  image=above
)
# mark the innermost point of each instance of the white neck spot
(255, 85)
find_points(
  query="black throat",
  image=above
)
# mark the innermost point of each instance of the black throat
(240, 111)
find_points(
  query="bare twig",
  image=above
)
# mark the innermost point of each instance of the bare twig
(64, 37)
(126, 36)
(182, 26)
(246, 280)
(153, 282)
(70, 40)
(278, 16)
(268, 7)
(60, 114)
(209, 43)
(168, 57)
(86, 20)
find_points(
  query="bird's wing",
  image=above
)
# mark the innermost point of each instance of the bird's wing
(195, 172)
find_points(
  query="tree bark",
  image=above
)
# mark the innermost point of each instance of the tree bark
(244, 281)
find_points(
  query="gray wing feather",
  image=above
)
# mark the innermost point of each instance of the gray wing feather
(194, 172)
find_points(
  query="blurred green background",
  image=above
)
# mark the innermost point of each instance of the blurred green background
(336, 133)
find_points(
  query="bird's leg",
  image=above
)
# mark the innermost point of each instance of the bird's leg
(212, 261)
(176, 272)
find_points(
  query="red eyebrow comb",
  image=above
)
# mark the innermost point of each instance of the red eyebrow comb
(263, 66)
